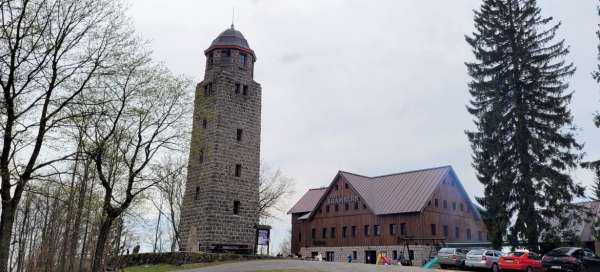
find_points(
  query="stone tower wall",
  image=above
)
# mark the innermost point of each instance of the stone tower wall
(207, 216)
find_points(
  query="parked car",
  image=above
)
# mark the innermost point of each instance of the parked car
(483, 258)
(521, 260)
(452, 257)
(571, 259)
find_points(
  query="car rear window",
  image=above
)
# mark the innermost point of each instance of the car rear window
(446, 250)
(476, 252)
(561, 251)
(516, 254)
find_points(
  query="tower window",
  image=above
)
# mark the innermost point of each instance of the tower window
(236, 207)
(237, 88)
(210, 58)
(226, 52)
(242, 59)
(208, 89)
(238, 170)
(245, 90)
(240, 132)
(197, 195)
(204, 123)
(201, 158)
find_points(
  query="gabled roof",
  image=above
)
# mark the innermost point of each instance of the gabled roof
(404, 192)
(308, 201)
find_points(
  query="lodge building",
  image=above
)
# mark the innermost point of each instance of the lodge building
(410, 215)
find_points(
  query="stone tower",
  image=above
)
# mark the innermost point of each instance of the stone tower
(220, 203)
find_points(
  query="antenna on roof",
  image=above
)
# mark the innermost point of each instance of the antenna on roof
(232, 16)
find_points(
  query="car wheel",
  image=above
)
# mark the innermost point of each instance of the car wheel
(495, 268)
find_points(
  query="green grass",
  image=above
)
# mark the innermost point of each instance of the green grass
(166, 267)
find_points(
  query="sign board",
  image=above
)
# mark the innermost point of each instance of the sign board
(263, 237)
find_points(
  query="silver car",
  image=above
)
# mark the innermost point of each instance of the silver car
(452, 257)
(483, 258)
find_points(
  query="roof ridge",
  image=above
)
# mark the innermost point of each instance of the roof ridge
(346, 172)
(414, 171)
(319, 188)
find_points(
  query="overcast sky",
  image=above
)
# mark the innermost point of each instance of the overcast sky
(371, 87)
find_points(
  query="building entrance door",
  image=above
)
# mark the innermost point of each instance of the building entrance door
(330, 256)
(370, 257)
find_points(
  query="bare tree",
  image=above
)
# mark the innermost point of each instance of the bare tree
(142, 109)
(171, 174)
(49, 52)
(274, 188)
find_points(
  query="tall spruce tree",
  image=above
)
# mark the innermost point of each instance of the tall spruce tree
(523, 144)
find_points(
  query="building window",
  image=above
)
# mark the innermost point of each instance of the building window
(326, 208)
(454, 206)
(479, 236)
(320, 210)
(433, 229)
(353, 231)
(245, 90)
(445, 204)
(210, 58)
(354, 255)
(313, 233)
(429, 203)
(445, 231)
(468, 234)
(462, 207)
(346, 206)
(366, 232)
(364, 206)
(395, 255)
(356, 205)
(332, 232)
(346, 185)
(403, 228)
(344, 231)
(236, 207)
(457, 233)
(208, 89)
(377, 230)
(392, 229)
(197, 195)
(243, 59)
(239, 134)
(324, 233)
(435, 203)
(238, 170)
(299, 236)
(237, 88)
(204, 123)
(336, 207)
(201, 156)
(226, 52)
(336, 187)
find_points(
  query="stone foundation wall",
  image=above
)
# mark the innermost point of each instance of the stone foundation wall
(421, 252)
(177, 258)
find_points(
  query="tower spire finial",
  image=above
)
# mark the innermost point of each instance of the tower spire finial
(232, 16)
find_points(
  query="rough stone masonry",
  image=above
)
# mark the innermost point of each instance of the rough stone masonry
(219, 211)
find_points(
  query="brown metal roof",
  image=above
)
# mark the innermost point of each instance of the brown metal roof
(308, 201)
(398, 193)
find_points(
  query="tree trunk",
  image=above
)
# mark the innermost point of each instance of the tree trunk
(101, 243)
(7, 218)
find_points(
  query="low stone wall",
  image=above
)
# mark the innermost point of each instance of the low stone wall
(178, 258)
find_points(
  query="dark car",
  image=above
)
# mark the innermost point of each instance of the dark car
(574, 259)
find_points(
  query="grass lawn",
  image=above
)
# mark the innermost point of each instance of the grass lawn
(166, 267)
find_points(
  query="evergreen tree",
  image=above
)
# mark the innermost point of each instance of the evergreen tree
(524, 143)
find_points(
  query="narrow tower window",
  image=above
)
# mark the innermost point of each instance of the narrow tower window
(197, 196)
(245, 90)
(210, 58)
(237, 88)
(238, 170)
(240, 132)
(242, 59)
(236, 207)
(204, 123)
(201, 158)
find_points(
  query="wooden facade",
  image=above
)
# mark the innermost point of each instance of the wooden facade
(342, 218)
